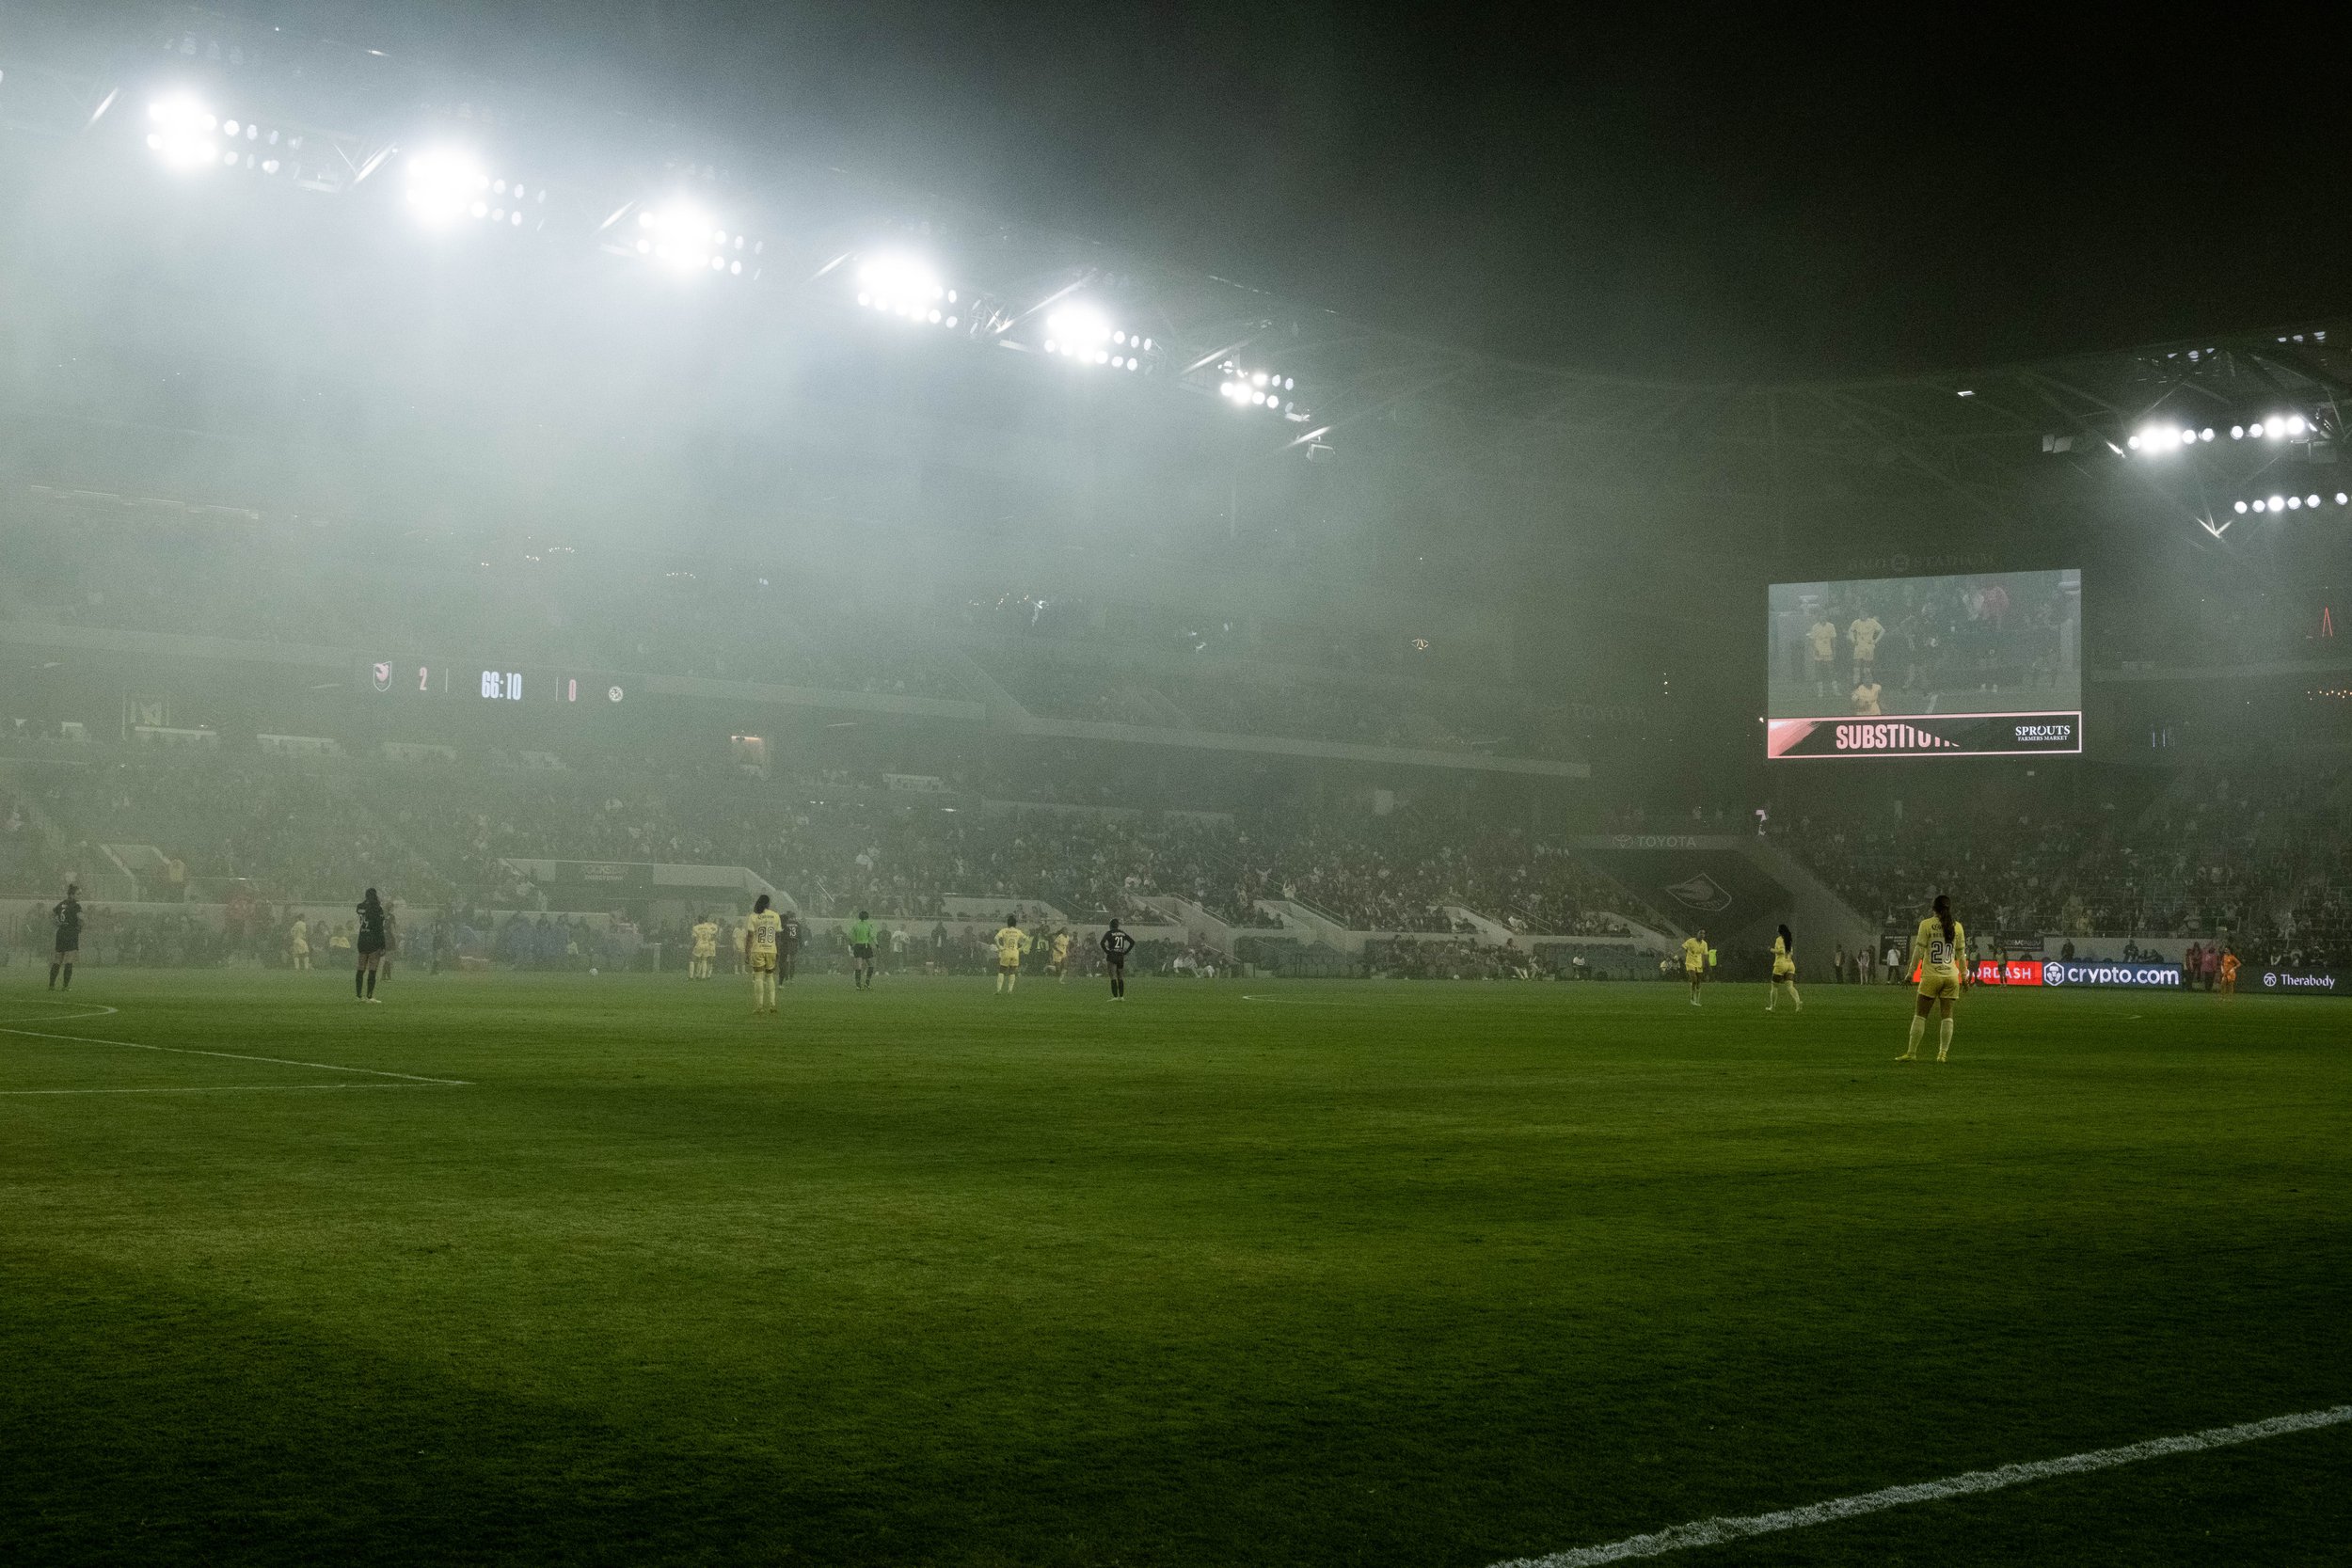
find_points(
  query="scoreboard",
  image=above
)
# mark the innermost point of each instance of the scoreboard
(477, 683)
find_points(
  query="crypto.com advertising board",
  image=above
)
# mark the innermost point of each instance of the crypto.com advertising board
(1988, 664)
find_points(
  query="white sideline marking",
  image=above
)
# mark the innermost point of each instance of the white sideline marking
(224, 1055)
(1715, 1532)
(227, 1088)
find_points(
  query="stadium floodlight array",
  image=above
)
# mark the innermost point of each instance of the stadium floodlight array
(2289, 504)
(1245, 388)
(1083, 335)
(2155, 439)
(446, 187)
(187, 136)
(2275, 427)
(689, 241)
(908, 289)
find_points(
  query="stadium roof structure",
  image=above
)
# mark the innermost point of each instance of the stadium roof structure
(1985, 440)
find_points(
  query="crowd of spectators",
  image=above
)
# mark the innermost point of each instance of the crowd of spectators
(2252, 856)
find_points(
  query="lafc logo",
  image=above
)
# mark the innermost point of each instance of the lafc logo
(1701, 892)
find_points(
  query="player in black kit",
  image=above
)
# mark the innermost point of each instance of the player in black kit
(1117, 944)
(69, 917)
(370, 945)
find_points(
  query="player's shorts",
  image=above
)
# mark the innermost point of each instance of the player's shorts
(68, 955)
(763, 963)
(861, 950)
(366, 947)
(1784, 971)
(1694, 972)
(1939, 987)
(706, 952)
(1012, 968)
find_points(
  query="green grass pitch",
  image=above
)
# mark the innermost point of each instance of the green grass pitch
(1242, 1273)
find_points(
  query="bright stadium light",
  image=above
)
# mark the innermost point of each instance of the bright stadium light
(1248, 389)
(691, 243)
(2278, 504)
(909, 288)
(2310, 501)
(1082, 332)
(2241, 506)
(2343, 498)
(185, 134)
(2237, 432)
(2296, 425)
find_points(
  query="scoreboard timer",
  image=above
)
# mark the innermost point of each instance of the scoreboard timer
(542, 688)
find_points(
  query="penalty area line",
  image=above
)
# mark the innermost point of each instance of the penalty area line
(1716, 1532)
(417, 1078)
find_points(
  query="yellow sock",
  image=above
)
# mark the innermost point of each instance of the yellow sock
(1918, 1028)
(1944, 1041)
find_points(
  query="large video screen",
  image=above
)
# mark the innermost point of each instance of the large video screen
(1988, 664)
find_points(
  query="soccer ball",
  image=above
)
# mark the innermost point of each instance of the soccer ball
(592, 969)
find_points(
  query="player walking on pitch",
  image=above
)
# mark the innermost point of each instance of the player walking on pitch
(759, 953)
(1784, 971)
(1939, 951)
(67, 914)
(1117, 944)
(370, 945)
(1011, 941)
(1694, 963)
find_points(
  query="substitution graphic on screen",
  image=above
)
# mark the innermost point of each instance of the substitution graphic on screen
(1988, 664)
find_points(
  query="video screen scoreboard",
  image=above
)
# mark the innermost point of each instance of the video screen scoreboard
(478, 683)
(1982, 665)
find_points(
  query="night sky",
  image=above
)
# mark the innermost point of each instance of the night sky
(1637, 189)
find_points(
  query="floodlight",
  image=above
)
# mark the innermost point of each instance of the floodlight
(180, 131)
(2237, 431)
(906, 287)
(2310, 501)
(2261, 506)
(1079, 328)
(2277, 504)
(444, 185)
(2342, 499)
(683, 237)
(2241, 506)
(2296, 425)
(2206, 435)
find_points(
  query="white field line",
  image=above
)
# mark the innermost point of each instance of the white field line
(227, 1088)
(223, 1055)
(1715, 1532)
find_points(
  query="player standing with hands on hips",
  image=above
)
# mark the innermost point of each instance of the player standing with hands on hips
(1939, 950)
(1117, 944)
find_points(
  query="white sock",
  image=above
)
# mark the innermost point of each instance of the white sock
(1943, 1038)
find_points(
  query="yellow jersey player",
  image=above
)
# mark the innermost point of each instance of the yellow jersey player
(1784, 971)
(706, 949)
(1939, 951)
(1058, 950)
(759, 953)
(1821, 638)
(1694, 963)
(1865, 634)
(298, 943)
(1011, 941)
